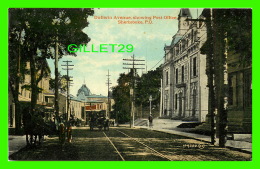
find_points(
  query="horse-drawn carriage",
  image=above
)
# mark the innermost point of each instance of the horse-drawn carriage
(98, 120)
(35, 127)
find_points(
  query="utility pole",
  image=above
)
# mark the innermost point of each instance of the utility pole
(220, 62)
(210, 69)
(217, 74)
(132, 91)
(108, 97)
(210, 74)
(68, 85)
(56, 92)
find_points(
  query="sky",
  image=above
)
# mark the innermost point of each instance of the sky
(148, 40)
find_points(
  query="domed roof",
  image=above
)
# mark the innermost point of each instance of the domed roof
(85, 90)
(81, 96)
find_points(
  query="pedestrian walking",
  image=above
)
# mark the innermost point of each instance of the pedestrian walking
(69, 134)
(150, 119)
(62, 135)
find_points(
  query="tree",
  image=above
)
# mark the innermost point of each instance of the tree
(146, 85)
(37, 32)
(149, 84)
(62, 85)
(229, 32)
(121, 96)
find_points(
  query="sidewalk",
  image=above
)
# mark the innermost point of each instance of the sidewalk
(170, 126)
(15, 143)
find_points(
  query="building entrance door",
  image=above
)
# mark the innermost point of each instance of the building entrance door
(180, 104)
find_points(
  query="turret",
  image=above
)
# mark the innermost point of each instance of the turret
(183, 24)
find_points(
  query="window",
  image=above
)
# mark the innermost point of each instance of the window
(176, 76)
(230, 90)
(192, 39)
(194, 102)
(194, 66)
(166, 100)
(248, 89)
(182, 74)
(82, 112)
(167, 78)
(195, 35)
(176, 97)
(183, 45)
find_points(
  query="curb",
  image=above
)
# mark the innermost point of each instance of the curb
(183, 135)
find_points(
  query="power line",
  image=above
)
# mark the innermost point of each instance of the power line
(157, 63)
(132, 93)
(108, 97)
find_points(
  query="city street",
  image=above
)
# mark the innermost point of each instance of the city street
(125, 144)
(178, 91)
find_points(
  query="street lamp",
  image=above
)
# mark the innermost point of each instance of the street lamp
(150, 99)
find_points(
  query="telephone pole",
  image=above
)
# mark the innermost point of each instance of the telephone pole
(56, 92)
(217, 73)
(132, 91)
(108, 95)
(68, 85)
(210, 68)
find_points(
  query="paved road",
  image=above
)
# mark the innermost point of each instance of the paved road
(124, 144)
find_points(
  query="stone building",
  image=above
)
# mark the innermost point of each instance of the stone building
(93, 102)
(184, 91)
(240, 96)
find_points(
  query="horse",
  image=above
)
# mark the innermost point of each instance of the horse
(33, 127)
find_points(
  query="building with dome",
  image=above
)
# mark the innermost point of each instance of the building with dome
(84, 90)
(89, 103)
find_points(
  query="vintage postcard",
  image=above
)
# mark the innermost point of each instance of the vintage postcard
(130, 84)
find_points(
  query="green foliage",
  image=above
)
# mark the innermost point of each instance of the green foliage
(33, 35)
(28, 87)
(149, 84)
(34, 32)
(62, 85)
(146, 85)
(236, 24)
(41, 27)
(121, 96)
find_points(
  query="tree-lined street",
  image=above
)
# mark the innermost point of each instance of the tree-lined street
(124, 144)
(203, 82)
